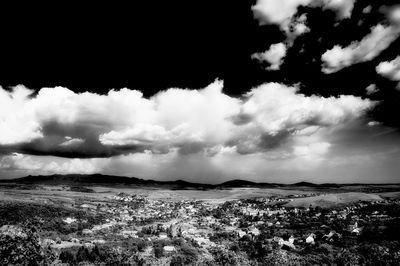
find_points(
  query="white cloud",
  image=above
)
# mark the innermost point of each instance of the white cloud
(31, 164)
(393, 13)
(390, 69)
(277, 12)
(300, 27)
(373, 123)
(368, 48)
(276, 107)
(71, 166)
(367, 9)
(141, 133)
(380, 37)
(72, 142)
(282, 12)
(371, 89)
(343, 8)
(17, 123)
(272, 110)
(19, 161)
(274, 55)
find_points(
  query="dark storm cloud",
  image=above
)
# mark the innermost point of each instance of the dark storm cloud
(58, 140)
(191, 147)
(260, 143)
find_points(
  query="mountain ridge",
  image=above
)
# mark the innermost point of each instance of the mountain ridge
(92, 179)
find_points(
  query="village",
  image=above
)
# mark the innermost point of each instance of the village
(253, 227)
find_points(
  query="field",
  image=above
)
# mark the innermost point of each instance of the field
(63, 195)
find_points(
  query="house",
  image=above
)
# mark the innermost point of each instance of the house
(169, 249)
(87, 232)
(254, 231)
(240, 233)
(69, 220)
(332, 236)
(286, 244)
(129, 233)
(353, 226)
(356, 231)
(162, 235)
(310, 239)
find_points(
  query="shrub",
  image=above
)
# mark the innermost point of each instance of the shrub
(67, 256)
(178, 260)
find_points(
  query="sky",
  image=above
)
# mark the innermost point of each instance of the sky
(268, 91)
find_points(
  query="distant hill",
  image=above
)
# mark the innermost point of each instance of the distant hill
(304, 184)
(110, 180)
(75, 178)
(100, 179)
(97, 179)
(246, 183)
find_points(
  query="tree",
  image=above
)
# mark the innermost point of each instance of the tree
(158, 250)
(19, 246)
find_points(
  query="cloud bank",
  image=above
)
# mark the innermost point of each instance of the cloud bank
(177, 132)
(57, 120)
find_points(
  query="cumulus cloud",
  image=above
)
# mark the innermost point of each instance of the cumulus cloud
(274, 56)
(390, 69)
(277, 107)
(282, 12)
(202, 121)
(380, 37)
(371, 89)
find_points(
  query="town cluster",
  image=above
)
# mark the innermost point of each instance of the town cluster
(254, 226)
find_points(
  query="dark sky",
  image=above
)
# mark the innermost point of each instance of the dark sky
(150, 46)
(189, 45)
